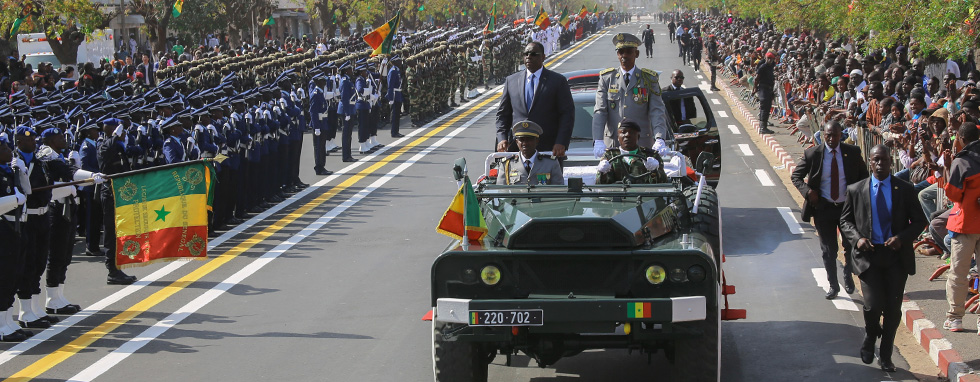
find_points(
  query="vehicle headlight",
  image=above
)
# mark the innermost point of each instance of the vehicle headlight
(696, 273)
(656, 274)
(490, 275)
(678, 275)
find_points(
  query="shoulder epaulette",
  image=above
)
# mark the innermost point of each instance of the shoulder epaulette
(650, 71)
(607, 70)
(543, 156)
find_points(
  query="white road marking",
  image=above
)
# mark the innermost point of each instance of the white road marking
(790, 219)
(843, 300)
(764, 178)
(734, 129)
(130, 347)
(700, 77)
(715, 101)
(722, 114)
(746, 151)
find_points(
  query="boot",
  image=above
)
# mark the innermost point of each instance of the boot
(58, 304)
(364, 147)
(27, 317)
(9, 330)
(37, 306)
(116, 276)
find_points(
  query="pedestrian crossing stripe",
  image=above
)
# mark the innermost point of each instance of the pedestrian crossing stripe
(638, 310)
(474, 318)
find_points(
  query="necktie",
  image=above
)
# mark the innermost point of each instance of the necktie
(527, 166)
(884, 216)
(627, 79)
(834, 176)
(529, 93)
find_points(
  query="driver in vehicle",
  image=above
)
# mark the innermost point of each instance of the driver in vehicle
(527, 166)
(640, 164)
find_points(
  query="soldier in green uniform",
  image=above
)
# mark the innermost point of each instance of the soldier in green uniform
(463, 71)
(628, 92)
(527, 166)
(632, 160)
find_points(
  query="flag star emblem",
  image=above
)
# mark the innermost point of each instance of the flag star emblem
(162, 214)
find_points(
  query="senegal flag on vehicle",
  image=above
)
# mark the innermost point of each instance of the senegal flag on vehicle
(464, 211)
(542, 20)
(381, 39)
(162, 214)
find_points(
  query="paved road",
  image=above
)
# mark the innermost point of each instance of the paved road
(333, 285)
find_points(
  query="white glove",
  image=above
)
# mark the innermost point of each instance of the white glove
(651, 164)
(21, 199)
(191, 140)
(661, 147)
(119, 131)
(316, 132)
(18, 164)
(98, 178)
(143, 130)
(604, 166)
(599, 148)
(391, 102)
(347, 118)
(75, 158)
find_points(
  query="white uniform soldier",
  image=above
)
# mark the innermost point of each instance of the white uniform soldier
(628, 92)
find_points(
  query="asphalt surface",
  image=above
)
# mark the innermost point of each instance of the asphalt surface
(335, 291)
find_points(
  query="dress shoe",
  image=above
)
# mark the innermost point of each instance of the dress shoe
(91, 253)
(350, 159)
(397, 135)
(334, 149)
(234, 220)
(119, 278)
(766, 131)
(868, 350)
(300, 185)
(36, 324)
(886, 365)
(714, 89)
(16, 336)
(324, 172)
(255, 210)
(65, 310)
(51, 320)
(831, 294)
(848, 285)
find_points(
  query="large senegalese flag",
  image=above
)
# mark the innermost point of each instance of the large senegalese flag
(565, 19)
(542, 20)
(492, 22)
(453, 221)
(178, 8)
(269, 21)
(381, 39)
(162, 214)
(583, 12)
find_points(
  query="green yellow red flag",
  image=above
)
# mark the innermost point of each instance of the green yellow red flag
(162, 214)
(381, 39)
(269, 21)
(565, 19)
(492, 22)
(542, 20)
(595, 9)
(639, 310)
(453, 221)
(178, 8)
(583, 12)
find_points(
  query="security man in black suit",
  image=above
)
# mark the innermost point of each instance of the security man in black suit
(822, 175)
(683, 110)
(882, 218)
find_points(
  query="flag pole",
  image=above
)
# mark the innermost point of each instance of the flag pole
(466, 234)
(121, 174)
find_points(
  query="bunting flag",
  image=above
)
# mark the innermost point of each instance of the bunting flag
(453, 222)
(381, 39)
(269, 21)
(178, 8)
(162, 214)
(492, 22)
(542, 20)
(564, 20)
(583, 12)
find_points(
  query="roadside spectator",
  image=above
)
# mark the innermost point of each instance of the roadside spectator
(963, 189)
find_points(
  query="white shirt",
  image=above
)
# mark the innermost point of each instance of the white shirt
(631, 72)
(537, 80)
(825, 175)
(953, 67)
(533, 158)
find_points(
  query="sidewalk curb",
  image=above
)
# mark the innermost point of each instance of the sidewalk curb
(924, 331)
(930, 337)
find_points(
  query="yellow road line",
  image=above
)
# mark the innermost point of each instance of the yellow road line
(56, 357)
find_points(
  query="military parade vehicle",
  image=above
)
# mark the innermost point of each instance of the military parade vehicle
(568, 268)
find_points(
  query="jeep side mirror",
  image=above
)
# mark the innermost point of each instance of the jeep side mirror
(459, 169)
(705, 161)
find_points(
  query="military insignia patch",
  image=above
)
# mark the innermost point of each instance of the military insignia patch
(194, 177)
(130, 249)
(195, 246)
(128, 191)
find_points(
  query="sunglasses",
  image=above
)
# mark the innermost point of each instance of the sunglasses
(532, 54)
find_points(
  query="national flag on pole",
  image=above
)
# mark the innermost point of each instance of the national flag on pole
(583, 12)
(542, 20)
(269, 21)
(564, 20)
(381, 39)
(162, 214)
(595, 9)
(492, 22)
(16, 27)
(178, 8)
(453, 221)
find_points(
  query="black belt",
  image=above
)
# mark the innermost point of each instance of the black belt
(830, 203)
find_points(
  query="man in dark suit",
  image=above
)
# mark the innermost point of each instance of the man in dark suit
(882, 218)
(682, 110)
(822, 175)
(149, 71)
(539, 95)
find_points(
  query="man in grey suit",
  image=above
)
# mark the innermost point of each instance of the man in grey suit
(528, 166)
(539, 95)
(631, 93)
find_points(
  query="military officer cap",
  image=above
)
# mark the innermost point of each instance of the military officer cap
(87, 125)
(626, 40)
(5, 112)
(25, 131)
(238, 99)
(111, 121)
(173, 121)
(122, 114)
(527, 129)
(49, 132)
(629, 124)
(200, 111)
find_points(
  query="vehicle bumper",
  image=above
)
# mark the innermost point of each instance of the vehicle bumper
(662, 310)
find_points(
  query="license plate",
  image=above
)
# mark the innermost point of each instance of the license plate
(529, 317)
